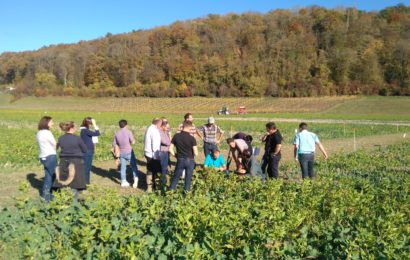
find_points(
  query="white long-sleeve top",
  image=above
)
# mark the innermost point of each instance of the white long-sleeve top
(152, 142)
(46, 143)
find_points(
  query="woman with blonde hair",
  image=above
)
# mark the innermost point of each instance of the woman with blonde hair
(70, 172)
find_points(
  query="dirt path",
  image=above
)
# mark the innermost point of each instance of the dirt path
(325, 121)
(106, 175)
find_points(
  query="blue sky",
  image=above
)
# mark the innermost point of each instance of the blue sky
(32, 24)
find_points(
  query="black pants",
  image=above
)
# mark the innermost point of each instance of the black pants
(153, 167)
(273, 166)
(306, 164)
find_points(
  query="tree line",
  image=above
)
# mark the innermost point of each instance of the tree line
(284, 53)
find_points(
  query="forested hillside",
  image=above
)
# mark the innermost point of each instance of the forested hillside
(309, 52)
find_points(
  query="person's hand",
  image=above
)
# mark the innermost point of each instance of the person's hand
(93, 121)
(325, 156)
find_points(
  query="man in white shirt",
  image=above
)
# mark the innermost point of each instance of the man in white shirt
(152, 147)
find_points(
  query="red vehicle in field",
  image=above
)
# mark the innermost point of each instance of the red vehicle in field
(241, 110)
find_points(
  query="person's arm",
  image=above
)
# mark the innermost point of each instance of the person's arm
(207, 162)
(197, 132)
(322, 149)
(52, 140)
(223, 165)
(132, 139)
(221, 135)
(195, 148)
(295, 152)
(277, 149)
(278, 140)
(263, 139)
(295, 147)
(171, 149)
(82, 145)
(114, 142)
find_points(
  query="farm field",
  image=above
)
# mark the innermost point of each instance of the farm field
(369, 127)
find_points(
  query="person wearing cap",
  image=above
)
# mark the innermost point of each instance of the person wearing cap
(215, 160)
(304, 150)
(209, 134)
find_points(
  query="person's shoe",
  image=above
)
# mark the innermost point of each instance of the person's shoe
(135, 184)
(125, 184)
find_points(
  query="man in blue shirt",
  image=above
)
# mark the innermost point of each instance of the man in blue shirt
(215, 160)
(304, 150)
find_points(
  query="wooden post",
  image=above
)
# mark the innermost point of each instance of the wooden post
(354, 139)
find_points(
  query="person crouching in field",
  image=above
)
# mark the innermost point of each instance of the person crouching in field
(88, 138)
(47, 154)
(241, 153)
(215, 160)
(70, 172)
(187, 149)
(124, 139)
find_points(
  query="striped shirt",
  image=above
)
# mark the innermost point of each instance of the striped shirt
(209, 132)
(192, 131)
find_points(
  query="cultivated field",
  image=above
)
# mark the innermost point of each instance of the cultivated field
(344, 124)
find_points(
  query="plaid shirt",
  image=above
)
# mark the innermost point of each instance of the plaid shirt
(209, 133)
(192, 131)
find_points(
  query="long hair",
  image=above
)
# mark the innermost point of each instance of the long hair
(87, 122)
(43, 124)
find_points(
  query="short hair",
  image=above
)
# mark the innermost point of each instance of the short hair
(271, 125)
(187, 115)
(122, 123)
(156, 120)
(303, 126)
(186, 124)
(87, 122)
(164, 121)
(230, 140)
(43, 124)
(66, 126)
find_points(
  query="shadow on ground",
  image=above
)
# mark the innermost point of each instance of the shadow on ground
(35, 181)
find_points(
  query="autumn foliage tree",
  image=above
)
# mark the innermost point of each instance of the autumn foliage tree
(309, 52)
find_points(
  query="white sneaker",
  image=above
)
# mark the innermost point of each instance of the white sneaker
(135, 184)
(125, 184)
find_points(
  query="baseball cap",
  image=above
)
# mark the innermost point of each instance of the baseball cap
(211, 120)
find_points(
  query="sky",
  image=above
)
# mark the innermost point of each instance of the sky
(32, 24)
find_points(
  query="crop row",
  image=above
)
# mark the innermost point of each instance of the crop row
(18, 146)
(357, 208)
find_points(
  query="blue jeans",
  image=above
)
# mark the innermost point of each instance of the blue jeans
(306, 164)
(128, 157)
(88, 163)
(265, 161)
(49, 163)
(209, 148)
(183, 164)
(164, 157)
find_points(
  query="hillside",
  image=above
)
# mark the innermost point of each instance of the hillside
(310, 52)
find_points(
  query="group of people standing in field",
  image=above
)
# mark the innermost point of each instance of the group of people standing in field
(77, 152)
